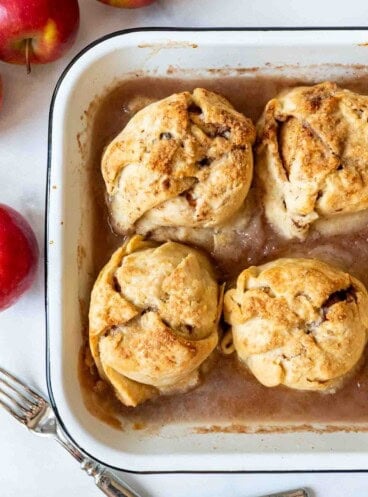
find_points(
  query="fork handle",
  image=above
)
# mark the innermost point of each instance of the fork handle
(107, 481)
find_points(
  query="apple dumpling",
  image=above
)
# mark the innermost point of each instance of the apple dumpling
(298, 322)
(312, 157)
(153, 318)
(184, 161)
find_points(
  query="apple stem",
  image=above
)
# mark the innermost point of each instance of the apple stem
(28, 49)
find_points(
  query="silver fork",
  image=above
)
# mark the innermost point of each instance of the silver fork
(33, 411)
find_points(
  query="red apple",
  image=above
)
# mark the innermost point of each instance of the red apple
(36, 31)
(128, 4)
(18, 256)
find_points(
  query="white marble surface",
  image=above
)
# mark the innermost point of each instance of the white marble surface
(38, 467)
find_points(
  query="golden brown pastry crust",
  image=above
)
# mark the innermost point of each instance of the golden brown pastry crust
(185, 160)
(153, 317)
(312, 156)
(298, 322)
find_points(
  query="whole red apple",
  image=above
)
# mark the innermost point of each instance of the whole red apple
(18, 256)
(128, 4)
(36, 31)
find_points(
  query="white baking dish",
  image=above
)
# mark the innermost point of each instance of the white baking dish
(152, 51)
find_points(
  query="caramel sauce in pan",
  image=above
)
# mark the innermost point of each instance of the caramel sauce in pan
(228, 395)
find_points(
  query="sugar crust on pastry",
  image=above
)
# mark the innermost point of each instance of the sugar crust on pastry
(312, 156)
(153, 318)
(184, 161)
(298, 322)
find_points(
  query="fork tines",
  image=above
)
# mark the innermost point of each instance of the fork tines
(19, 400)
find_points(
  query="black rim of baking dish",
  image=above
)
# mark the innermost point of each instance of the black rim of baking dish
(46, 246)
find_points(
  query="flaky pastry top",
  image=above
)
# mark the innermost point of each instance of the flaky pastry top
(153, 319)
(184, 161)
(298, 322)
(312, 156)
